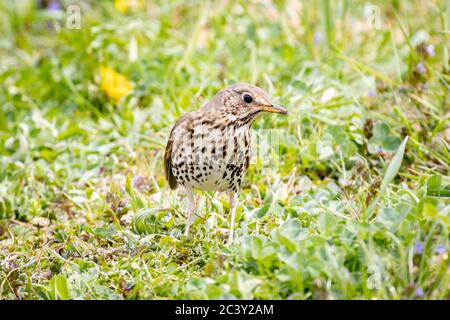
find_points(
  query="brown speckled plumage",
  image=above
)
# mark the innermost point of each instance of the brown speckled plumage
(210, 148)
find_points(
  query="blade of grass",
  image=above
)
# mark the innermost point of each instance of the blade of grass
(390, 174)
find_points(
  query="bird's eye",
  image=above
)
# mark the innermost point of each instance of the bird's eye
(247, 98)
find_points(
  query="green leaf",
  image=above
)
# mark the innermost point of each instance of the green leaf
(292, 229)
(128, 184)
(394, 165)
(442, 193)
(290, 233)
(391, 218)
(327, 223)
(427, 207)
(172, 268)
(338, 133)
(435, 188)
(390, 174)
(382, 139)
(261, 212)
(391, 143)
(59, 287)
(434, 182)
(381, 130)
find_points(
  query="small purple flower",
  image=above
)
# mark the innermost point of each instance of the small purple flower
(122, 204)
(440, 249)
(137, 180)
(421, 68)
(430, 50)
(418, 248)
(419, 293)
(372, 93)
(54, 5)
(317, 38)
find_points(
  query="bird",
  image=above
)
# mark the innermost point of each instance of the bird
(209, 149)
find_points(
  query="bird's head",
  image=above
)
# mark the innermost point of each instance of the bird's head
(246, 102)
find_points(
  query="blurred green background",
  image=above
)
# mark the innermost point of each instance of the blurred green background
(90, 89)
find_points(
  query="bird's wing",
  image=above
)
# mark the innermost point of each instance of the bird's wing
(168, 165)
(184, 120)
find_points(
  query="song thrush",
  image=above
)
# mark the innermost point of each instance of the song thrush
(210, 148)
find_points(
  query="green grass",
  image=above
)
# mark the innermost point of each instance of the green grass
(348, 213)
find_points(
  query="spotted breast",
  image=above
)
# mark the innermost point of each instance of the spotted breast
(210, 156)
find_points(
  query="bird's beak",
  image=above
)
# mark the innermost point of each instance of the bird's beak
(274, 108)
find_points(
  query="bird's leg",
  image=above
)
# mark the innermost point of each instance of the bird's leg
(233, 200)
(191, 210)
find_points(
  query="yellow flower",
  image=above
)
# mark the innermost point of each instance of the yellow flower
(114, 84)
(124, 5)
